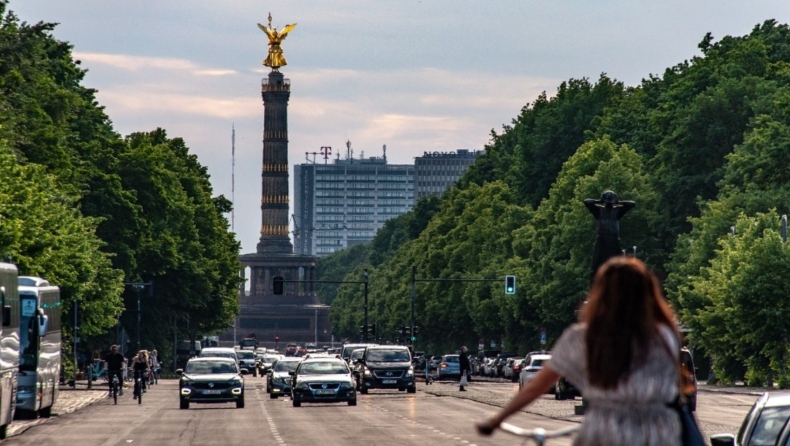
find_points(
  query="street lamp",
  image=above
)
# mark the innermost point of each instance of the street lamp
(138, 286)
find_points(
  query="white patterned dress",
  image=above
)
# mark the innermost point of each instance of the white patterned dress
(636, 412)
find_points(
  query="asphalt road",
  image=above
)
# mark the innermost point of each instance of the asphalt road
(442, 415)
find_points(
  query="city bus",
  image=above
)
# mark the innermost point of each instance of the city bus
(9, 344)
(39, 346)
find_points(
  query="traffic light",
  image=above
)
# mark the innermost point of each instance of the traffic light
(278, 285)
(510, 284)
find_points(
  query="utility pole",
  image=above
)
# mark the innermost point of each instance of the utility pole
(138, 286)
(413, 294)
(75, 339)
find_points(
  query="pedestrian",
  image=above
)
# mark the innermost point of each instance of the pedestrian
(463, 362)
(623, 356)
(428, 379)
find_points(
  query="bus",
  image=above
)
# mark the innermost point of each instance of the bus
(39, 346)
(9, 344)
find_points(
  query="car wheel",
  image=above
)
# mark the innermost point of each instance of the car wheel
(255, 373)
(272, 396)
(411, 389)
(184, 404)
(297, 403)
(45, 412)
(240, 403)
(352, 402)
(363, 390)
(401, 389)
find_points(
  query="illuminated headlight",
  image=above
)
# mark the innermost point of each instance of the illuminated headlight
(367, 372)
(302, 386)
(345, 385)
(410, 372)
(185, 391)
(236, 391)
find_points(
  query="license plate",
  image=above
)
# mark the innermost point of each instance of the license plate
(212, 392)
(390, 381)
(324, 392)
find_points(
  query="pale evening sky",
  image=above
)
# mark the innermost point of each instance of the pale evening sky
(414, 75)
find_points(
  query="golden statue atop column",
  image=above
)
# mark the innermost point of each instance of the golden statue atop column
(275, 59)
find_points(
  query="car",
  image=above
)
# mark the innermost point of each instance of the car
(509, 369)
(345, 352)
(322, 380)
(565, 390)
(247, 361)
(435, 360)
(687, 362)
(488, 366)
(219, 352)
(386, 367)
(355, 366)
(766, 423)
(450, 367)
(483, 357)
(533, 363)
(267, 360)
(500, 362)
(211, 380)
(278, 378)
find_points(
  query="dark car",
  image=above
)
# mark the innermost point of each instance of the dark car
(322, 380)
(765, 424)
(278, 378)
(565, 390)
(687, 361)
(387, 367)
(247, 360)
(211, 380)
(501, 360)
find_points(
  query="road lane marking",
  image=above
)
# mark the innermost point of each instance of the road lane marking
(272, 426)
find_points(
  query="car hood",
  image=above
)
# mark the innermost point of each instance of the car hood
(323, 378)
(213, 377)
(388, 365)
(280, 375)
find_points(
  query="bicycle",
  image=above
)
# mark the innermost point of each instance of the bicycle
(115, 386)
(539, 435)
(138, 387)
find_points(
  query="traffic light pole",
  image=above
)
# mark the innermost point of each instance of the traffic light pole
(414, 281)
(365, 334)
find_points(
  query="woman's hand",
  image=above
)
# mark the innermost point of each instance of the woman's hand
(487, 427)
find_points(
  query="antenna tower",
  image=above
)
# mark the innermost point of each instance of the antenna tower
(233, 177)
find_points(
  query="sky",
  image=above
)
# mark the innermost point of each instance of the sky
(414, 75)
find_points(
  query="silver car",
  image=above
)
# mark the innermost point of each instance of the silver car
(533, 364)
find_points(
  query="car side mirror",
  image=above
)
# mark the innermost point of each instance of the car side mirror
(292, 373)
(179, 371)
(722, 440)
(245, 372)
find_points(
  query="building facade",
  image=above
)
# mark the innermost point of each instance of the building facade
(345, 203)
(434, 172)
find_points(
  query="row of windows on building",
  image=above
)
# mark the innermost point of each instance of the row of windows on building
(368, 186)
(359, 210)
(403, 178)
(370, 202)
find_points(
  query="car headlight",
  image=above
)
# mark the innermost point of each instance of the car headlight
(345, 385)
(280, 380)
(187, 382)
(367, 372)
(410, 372)
(302, 386)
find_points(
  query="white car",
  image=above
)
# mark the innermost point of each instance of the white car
(533, 363)
(488, 368)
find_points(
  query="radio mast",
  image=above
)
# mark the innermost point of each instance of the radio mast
(233, 177)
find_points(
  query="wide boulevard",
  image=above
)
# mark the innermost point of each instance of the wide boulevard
(436, 414)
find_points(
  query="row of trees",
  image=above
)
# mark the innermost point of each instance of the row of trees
(701, 148)
(91, 211)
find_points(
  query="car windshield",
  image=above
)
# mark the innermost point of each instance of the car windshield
(323, 368)
(210, 367)
(205, 354)
(388, 355)
(450, 359)
(285, 366)
(769, 426)
(536, 363)
(245, 355)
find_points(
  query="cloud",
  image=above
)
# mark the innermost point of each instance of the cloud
(139, 63)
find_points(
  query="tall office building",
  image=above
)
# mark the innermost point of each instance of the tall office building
(344, 203)
(434, 172)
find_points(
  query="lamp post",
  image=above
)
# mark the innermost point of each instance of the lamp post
(365, 333)
(138, 286)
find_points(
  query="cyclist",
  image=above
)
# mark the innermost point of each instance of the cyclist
(140, 369)
(114, 362)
